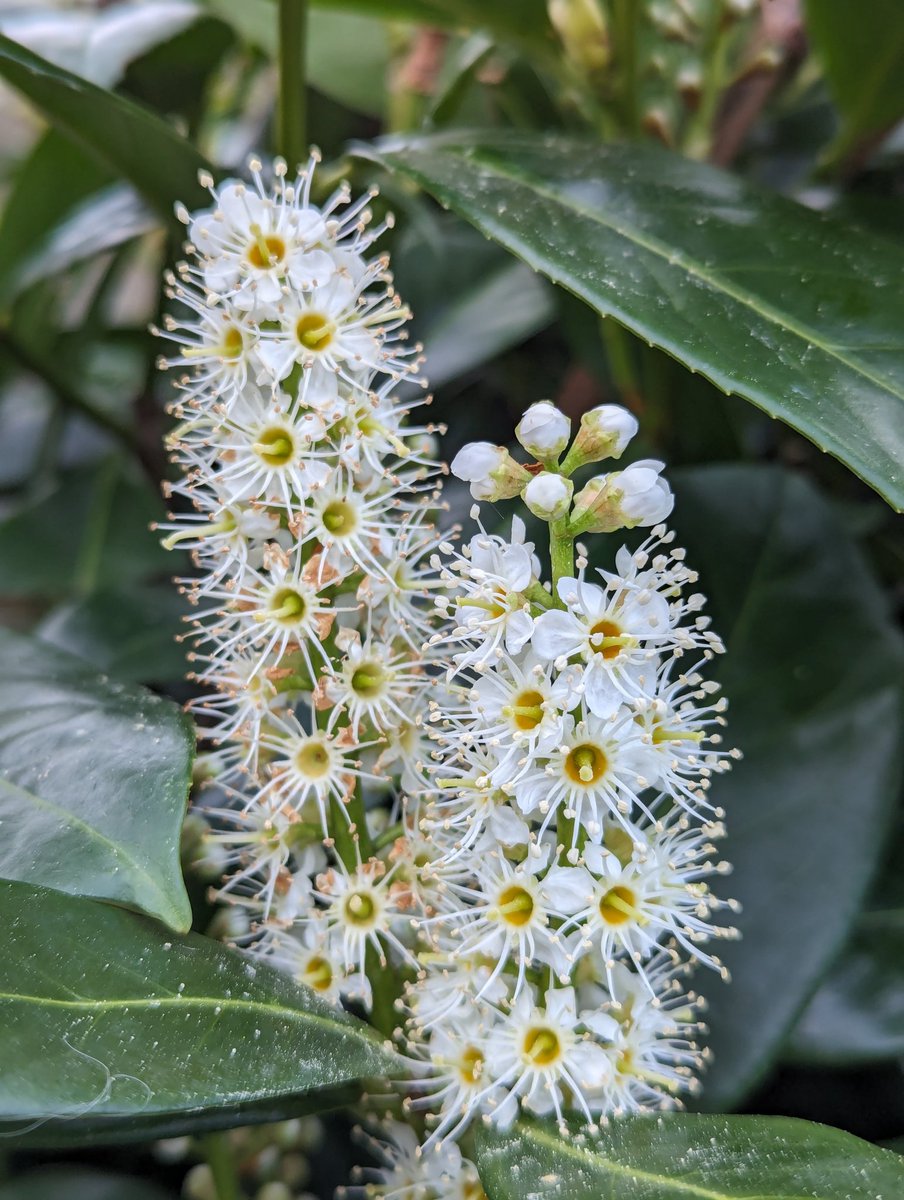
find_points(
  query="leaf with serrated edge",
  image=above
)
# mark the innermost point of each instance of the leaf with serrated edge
(791, 309)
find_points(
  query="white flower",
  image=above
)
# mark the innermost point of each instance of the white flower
(604, 433)
(544, 431)
(623, 499)
(538, 1054)
(548, 496)
(491, 471)
(617, 631)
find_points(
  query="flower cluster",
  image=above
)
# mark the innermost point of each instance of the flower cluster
(568, 816)
(311, 525)
(438, 786)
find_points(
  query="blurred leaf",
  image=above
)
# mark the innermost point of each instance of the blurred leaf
(487, 303)
(813, 675)
(102, 222)
(857, 1015)
(92, 530)
(69, 1182)
(173, 75)
(684, 1157)
(127, 139)
(112, 1024)
(862, 53)
(791, 309)
(94, 780)
(347, 52)
(50, 184)
(129, 633)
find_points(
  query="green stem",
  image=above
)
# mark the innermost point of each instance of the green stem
(561, 554)
(698, 141)
(291, 113)
(218, 1154)
(348, 827)
(625, 17)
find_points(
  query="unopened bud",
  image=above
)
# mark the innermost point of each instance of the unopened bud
(543, 431)
(623, 500)
(491, 471)
(604, 433)
(582, 27)
(548, 496)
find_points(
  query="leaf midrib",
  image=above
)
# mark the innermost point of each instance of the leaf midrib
(118, 852)
(693, 268)
(559, 1146)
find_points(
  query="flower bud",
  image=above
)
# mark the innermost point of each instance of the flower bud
(548, 496)
(491, 471)
(543, 431)
(623, 500)
(581, 26)
(604, 433)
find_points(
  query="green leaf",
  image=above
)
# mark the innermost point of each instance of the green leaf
(113, 1025)
(487, 304)
(68, 1182)
(37, 201)
(92, 530)
(813, 677)
(791, 309)
(687, 1157)
(94, 780)
(862, 53)
(129, 632)
(127, 139)
(857, 1015)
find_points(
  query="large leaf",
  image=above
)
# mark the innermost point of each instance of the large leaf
(92, 529)
(129, 633)
(791, 309)
(679, 1157)
(114, 1027)
(857, 1014)
(129, 140)
(813, 675)
(862, 53)
(94, 780)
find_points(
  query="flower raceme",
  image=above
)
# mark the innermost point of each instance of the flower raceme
(470, 801)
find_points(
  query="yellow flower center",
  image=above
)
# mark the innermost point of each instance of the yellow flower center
(618, 906)
(312, 758)
(360, 908)
(314, 331)
(275, 446)
(515, 906)
(542, 1046)
(607, 639)
(586, 764)
(470, 1065)
(267, 250)
(527, 710)
(367, 680)
(318, 974)
(287, 606)
(340, 518)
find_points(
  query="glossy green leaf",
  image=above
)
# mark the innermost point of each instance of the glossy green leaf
(687, 1157)
(113, 1025)
(127, 139)
(861, 48)
(129, 632)
(94, 779)
(91, 531)
(857, 1014)
(793, 310)
(813, 675)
